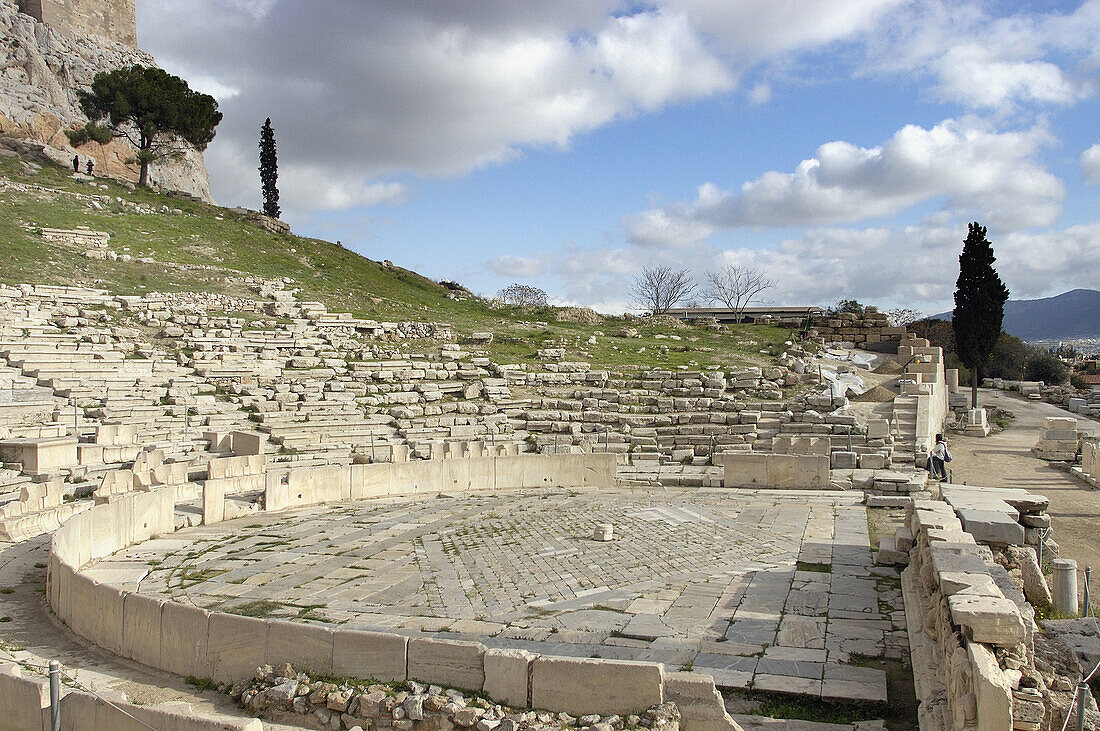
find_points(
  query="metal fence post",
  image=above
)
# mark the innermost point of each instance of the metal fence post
(1088, 578)
(1082, 689)
(55, 696)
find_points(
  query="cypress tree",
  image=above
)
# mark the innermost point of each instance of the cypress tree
(980, 297)
(269, 170)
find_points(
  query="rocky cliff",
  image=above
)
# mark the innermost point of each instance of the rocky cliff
(41, 69)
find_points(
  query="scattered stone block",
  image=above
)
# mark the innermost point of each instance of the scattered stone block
(603, 532)
(991, 526)
(993, 620)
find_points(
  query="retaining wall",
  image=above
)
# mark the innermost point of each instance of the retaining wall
(775, 471)
(186, 640)
(930, 390)
(960, 626)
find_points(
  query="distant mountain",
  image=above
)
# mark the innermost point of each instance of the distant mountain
(1068, 316)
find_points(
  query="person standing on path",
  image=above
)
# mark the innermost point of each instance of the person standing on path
(91, 164)
(76, 163)
(939, 457)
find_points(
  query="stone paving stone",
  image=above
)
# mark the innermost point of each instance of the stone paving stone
(752, 631)
(792, 668)
(697, 578)
(857, 683)
(801, 654)
(727, 678)
(800, 631)
(786, 684)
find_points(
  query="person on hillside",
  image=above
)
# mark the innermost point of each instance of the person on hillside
(76, 163)
(91, 164)
(939, 457)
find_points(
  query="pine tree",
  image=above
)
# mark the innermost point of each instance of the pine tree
(269, 170)
(980, 298)
(150, 108)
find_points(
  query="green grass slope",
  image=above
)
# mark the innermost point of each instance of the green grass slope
(207, 248)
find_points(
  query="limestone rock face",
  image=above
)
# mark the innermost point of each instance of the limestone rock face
(41, 69)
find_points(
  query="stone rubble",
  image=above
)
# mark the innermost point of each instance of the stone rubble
(286, 696)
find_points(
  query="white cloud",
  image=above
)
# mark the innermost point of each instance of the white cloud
(918, 265)
(974, 76)
(976, 172)
(361, 93)
(1090, 163)
(983, 61)
(303, 189)
(213, 87)
(368, 90)
(760, 93)
(321, 190)
(516, 266)
(1038, 264)
(914, 266)
(672, 227)
(779, 26)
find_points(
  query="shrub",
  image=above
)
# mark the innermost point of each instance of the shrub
(1009, 359)
(1046, 367)
(849, 306)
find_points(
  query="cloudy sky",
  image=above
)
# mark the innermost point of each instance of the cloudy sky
(842, 145)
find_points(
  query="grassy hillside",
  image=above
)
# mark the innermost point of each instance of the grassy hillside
(199, 247)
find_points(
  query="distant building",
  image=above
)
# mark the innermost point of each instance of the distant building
(749, 314)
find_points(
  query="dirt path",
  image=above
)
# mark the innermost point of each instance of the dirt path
(1005, 460)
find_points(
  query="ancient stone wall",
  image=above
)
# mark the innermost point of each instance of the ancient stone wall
(114, 20)
(868, 329)
(775, 471)
(968, 640)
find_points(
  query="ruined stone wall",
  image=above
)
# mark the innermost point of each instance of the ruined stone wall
(965, 636)
(114, 20)
(869, 328)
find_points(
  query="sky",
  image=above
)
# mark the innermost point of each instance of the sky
(841, 146)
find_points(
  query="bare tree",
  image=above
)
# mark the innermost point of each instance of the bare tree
(523, 295)
(658, 289)
(736, 286)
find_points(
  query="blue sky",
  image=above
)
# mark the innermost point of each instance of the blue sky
(841, 146)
